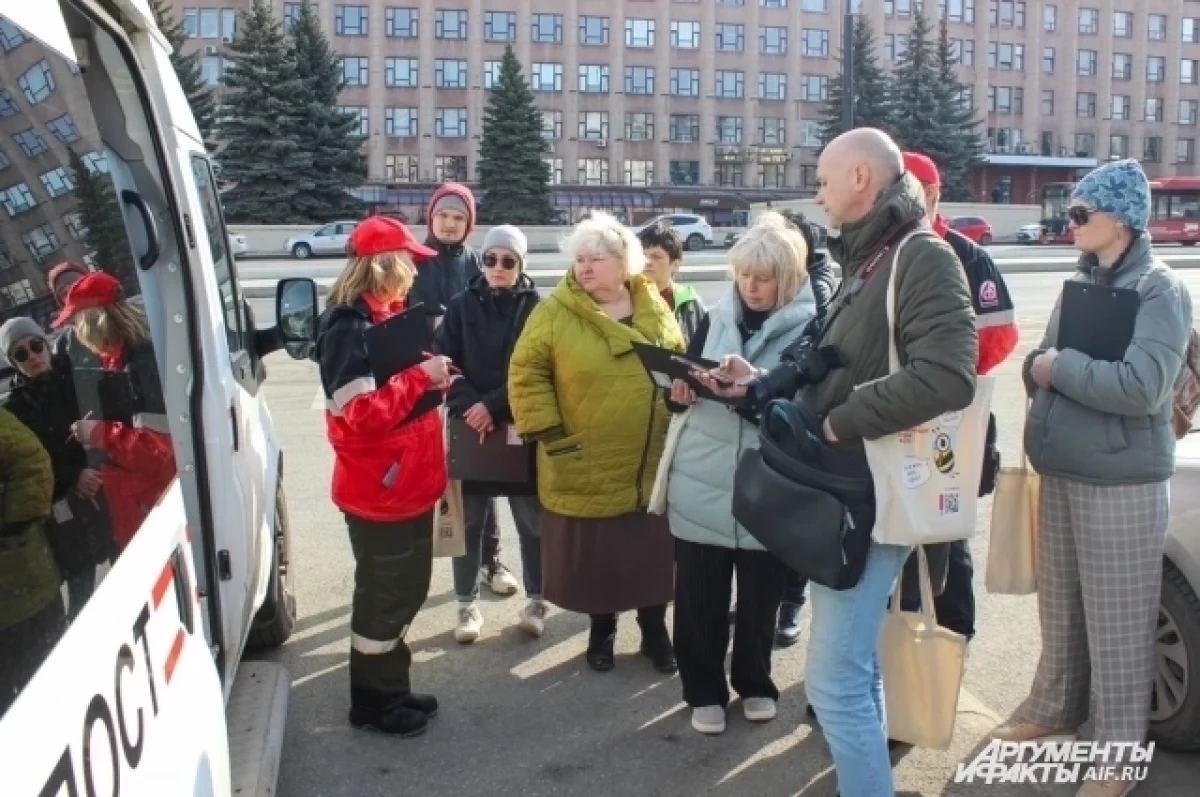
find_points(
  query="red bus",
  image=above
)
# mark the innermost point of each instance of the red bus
(1174, 211)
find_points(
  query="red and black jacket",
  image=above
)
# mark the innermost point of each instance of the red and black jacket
(385, 468)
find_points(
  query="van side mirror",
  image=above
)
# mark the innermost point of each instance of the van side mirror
(296, 314)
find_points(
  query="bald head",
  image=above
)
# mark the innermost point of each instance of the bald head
(852, 171)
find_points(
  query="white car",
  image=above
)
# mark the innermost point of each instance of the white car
(238, 244)
(327, 240)
(694, 230)
(1029, 233)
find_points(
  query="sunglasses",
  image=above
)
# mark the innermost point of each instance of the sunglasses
(21, 353)
(506, 262)
(1079, 215)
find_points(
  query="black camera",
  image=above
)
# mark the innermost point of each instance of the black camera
(801, 363)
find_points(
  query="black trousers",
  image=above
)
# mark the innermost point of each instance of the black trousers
(796, 586)
(703, 582)
(954, 606)
(392, 566)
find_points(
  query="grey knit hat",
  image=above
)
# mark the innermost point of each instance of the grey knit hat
(16, 329)
(507, 237)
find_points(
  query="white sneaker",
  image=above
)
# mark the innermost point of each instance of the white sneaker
(709, 720)
(470, 623)
(533, 618)
(759, 709)
(500, 580)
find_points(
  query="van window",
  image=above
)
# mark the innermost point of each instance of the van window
(85, 445)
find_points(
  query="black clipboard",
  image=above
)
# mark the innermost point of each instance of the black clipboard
(1097, 320)
(499, 457)
(664, 366)
(399, 343)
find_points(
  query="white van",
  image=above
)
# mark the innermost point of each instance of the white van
(119, 659)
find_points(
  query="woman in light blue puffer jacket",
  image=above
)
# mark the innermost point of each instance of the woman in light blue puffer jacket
(771, 302)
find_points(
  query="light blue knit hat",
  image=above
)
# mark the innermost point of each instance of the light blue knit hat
(1121, 190)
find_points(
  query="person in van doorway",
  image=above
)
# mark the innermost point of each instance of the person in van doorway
(133, 436)
(42, 396)
(1100, 435)
(768, 307)
(576, 387)
(440, 277)
(59, 281)
(389, 473)
(480, 329)
(664, 257)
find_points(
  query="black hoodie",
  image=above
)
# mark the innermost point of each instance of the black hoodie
(439, 279)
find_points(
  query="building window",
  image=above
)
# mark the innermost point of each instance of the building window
(593, 79)
(211, 69)
(639, 33)
(56, 182)
(37, 83)
(548, 28)
(772, 86)
(1156, 27)
(1152, 149)
(552, 125)
(593, 125)
(1154, 109)
(895, 46)
(1156, 69)
(685, 172)
(1047, 103)
(816, 6)
(4, 162)
(593, 30)
(1048, 60)
(8, 106)
(555, 168)
(1086, 63)
(772, 175)
(1118, 106)
(1188, 111)
(354, 71)
(30, 142)
(1122, 66)
(685, 35)
(1089, 20)
(1122, 24)
(402, 23)
(685, 82)
(450, 24)
(731, 38)
(816, 42)
(963, 51)
(450, 73)
(639, 127)
(1085, 145)
(1185, 150)
(1191, 30)
(41, 242)
(450, 168)
(17, 199)
(361, 115)
(593, 171)
(499, 26)
(74, 224)
(189, 19)
(897, 8)
(291, 15)
(1009, 57)
(1047, 143)
(1006, 13)
(1049, 18)
(728, 175)
(639, 80)
(808, 178)
(639, 172)
(1085, 104)
(401, 73)
(1000, 99)
(96, 163)
(772, 41)
(1188, 70)
(772, 131)
(1118, 146)
(64, 129)
(774, 4)
(400, 168)
(11, 36)
(491, 74)
(348, 21)
(450, 122)
(400, 122)
(729, 129)
(546, 77)
(814, 88)
(957, 10)
(685, 128)
(210, 23)
(810, 134)
(730, 84)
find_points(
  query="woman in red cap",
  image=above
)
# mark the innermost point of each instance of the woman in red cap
(388, 475)
(133, 437)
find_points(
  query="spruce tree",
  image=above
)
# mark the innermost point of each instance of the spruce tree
(964, 147)
(512, 174)
(870, 87)
(915, 123)
(327, 136)
(187, 70)
(263, 163)
(101, 215)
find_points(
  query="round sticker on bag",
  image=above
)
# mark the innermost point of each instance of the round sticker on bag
(943, 452)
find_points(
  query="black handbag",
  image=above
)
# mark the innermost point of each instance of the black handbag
(812, 506)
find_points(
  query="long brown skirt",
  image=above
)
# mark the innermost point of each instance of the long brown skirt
(607, 565)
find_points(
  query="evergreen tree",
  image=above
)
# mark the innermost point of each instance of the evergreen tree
(101, 215)
(187, 69)
(870, 87)
(264, 163)
(327, 136)
(963, 146)
(914, 95)
(512, 174)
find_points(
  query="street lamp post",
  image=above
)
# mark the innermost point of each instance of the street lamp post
(848, 67)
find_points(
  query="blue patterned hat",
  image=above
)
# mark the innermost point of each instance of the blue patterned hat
(1121, 190)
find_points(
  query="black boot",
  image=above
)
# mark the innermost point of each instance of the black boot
(386, 714)
(656, 640)
(426, 704)
(602, 639)
(787, 629)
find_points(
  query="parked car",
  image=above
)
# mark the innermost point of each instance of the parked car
(238, 244)
(974, 227)
(328, 240)
(694, 230)
(1029, 233)
(1175, 706)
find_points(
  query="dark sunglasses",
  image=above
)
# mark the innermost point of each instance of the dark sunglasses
(506, 262)
(21, 353)
(1079, 215)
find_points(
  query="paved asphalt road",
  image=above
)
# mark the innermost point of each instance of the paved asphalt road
(524, 717)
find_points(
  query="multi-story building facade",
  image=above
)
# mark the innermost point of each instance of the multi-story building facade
(703, 104)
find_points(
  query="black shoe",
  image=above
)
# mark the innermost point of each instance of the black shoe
(658, 649)
(426, 704)
(787, 629)
(811, 712)
(399, 721)
(600, 656)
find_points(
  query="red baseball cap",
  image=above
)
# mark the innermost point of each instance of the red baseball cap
(923, 168)
(96, 289)
(380, 234)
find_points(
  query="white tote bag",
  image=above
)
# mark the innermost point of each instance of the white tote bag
(922, 666)
(927, 478)
(1012, 544)
(658, 496)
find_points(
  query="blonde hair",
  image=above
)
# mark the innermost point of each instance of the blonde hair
(105, 328)
(601, 232)
(772, 248)
(389, 274)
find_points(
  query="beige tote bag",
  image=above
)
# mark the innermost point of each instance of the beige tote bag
(1012, 549)
(922, 666)
(658, 496)
(449, 519)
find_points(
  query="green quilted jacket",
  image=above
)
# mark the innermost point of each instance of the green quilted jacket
(576, 386)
